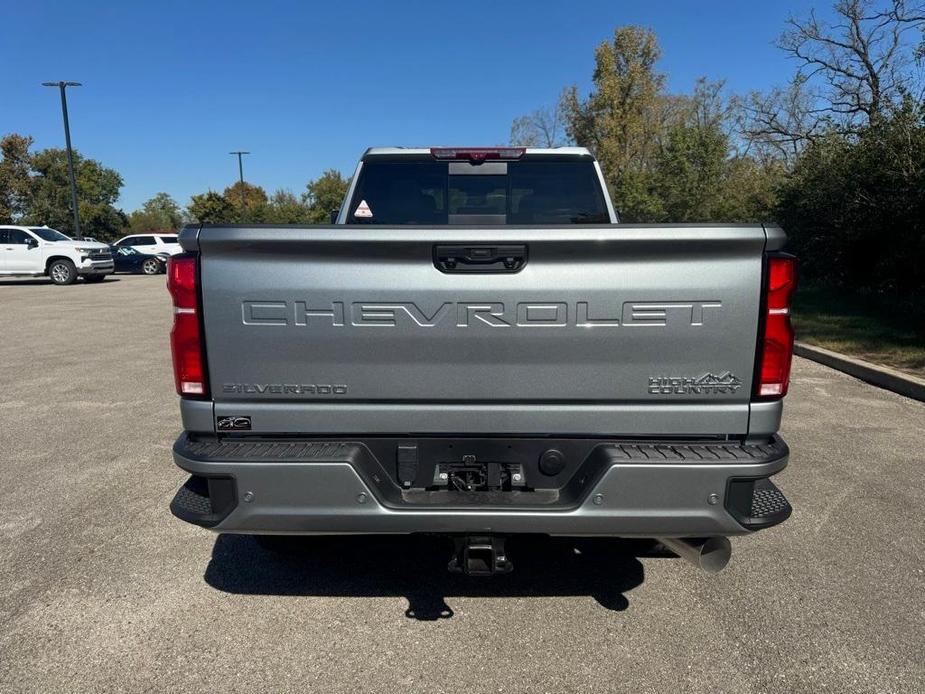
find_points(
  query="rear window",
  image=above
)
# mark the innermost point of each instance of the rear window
(169, 239)
(539, 191)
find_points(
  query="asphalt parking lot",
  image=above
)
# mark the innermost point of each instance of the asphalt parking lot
(101, 589)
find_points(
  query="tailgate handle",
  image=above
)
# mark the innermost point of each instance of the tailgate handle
(467, 258)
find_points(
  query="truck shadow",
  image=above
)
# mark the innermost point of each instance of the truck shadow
(415, 567)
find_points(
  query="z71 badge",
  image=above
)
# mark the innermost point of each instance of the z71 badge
(233, 423)
(708, 384)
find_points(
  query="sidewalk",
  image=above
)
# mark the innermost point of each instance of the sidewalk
(881, 376)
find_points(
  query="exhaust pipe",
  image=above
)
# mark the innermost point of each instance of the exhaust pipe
(710, 554)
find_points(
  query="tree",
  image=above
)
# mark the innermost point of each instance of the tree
(325, 195)
(708, 107)
(621, 119)
(688, 172)
(255, 203)
(225, 208)
(97, 191)
(544, 127)
(851, 74)
(211, 208)
(285, 208)
(750, 189)
(255, 198)
(854, 207)
(704, 171)
(780, 123)
(862, 61)
(159, 213)
(15, 178)
(35, 189)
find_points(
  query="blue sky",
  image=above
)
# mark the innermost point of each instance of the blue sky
(171, 87)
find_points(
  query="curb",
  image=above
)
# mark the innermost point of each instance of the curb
(880, 376)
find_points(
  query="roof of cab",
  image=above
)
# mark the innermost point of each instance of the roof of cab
(417, 151)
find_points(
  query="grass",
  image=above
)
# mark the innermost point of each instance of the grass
(873, 328)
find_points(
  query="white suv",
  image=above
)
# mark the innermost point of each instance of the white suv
(151, 244)
(38, 251)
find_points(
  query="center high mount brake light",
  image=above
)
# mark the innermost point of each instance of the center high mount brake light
(478, 154)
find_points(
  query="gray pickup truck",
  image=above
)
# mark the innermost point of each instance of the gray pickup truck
(477, 348)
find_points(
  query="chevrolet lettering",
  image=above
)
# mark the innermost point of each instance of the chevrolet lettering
(582, 314)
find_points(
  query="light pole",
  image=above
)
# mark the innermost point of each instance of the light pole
(240, 153)
(70, 154)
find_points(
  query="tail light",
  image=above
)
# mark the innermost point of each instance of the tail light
(776, 345)
(186, 336)
(477, 153)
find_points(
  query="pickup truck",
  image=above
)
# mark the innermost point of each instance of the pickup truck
(477, 348)
(40, 251)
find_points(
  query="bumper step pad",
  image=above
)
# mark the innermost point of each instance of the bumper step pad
(193, 497)
(757, 504)
(204, 501)
(768, 501)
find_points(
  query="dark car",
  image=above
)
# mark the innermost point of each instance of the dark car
(127, 259)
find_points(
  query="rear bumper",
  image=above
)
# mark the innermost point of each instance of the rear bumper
(626, 489)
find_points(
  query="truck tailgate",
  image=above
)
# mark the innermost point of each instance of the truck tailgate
(610, 330)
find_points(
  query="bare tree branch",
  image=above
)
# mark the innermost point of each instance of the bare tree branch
(861, 62)
(544, 127)
(850, 73)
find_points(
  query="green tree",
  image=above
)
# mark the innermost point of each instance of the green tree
(750, 189)
(665, 157)
(285, 208)
(688, 173)
(226, 208)
(622, 118)
(696, 179)
(255, 197)
(159, 213)
(15, 178)
(211, 208)
(854, 206)
(324, 195)
(255, 202)
(97, 191)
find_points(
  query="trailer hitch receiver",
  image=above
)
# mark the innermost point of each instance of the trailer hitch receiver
(479, 555)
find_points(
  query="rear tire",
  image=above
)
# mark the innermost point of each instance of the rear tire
(151, 267)
(62, 272)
